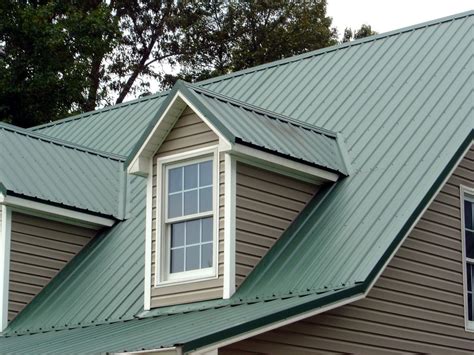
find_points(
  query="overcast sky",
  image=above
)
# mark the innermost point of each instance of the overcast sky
(385, 16)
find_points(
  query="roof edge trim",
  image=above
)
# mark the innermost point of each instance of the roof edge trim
(332, 300)
(411, 221)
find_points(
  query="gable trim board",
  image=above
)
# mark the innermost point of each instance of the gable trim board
(5, 244)
(360, 291)
(167, 117)
(54, 212)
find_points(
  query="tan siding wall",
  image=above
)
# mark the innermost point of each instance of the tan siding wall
(416, 306)
(189, 133)
(40, 248)
(266, 205)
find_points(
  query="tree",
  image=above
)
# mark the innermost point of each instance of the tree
(59, 57)
(51, 58)
(247, 33)
(363, 31)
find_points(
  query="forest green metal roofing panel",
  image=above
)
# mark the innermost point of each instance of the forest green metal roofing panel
(39, 167)
(190, 330)
(272, 132)
(404, 104)
(114, 129)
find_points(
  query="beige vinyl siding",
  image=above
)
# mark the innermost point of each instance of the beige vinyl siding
(266, 204)
(416, 306)
(40, 248)
(189, 133)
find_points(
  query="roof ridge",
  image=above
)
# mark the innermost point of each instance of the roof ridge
(262, 111)
(57, 141)
(336, 47)
(103, 109)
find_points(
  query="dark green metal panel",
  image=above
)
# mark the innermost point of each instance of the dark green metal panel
(53, 171)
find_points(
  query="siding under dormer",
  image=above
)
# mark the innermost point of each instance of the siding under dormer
(40, 249)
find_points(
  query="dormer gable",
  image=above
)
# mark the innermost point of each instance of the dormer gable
(220, 195)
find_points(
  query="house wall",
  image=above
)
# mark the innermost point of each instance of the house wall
(416, 305)
(266, 205)
(40, 248)
(189, 133)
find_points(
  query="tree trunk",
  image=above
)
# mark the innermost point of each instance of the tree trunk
(94, 78)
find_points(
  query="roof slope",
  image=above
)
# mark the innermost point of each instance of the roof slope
(63, 173)
(403, 102)
(274, 132)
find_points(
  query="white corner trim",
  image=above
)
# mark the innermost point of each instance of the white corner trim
(229, 225)
(281, 165)
(5, 243)
(54, 212)
(148, 238)
(463, 191)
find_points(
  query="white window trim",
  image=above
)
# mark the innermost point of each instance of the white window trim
(162, 277)
(464, 191)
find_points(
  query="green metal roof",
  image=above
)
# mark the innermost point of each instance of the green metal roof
(403, 102)
(40, 167)
(241, 123)
(162, 331)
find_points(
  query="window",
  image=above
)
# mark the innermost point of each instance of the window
(188, 232)
(468, 246)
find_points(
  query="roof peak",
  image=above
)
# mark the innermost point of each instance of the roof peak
(60, 142)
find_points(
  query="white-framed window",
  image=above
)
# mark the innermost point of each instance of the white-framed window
(467, 209)
(188, 217)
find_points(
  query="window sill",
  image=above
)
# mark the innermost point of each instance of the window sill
(188, 280)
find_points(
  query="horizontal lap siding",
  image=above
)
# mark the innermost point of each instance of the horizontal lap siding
(189, 133)
(416, 306)
(266, 205)
(40, 248)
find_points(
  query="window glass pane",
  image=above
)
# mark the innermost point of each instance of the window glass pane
(206, 255)
(469, 306)
(177, 235)
(177, 260)
(205, 173)
(175, 180)
(175, 205)
(192, 258)
(205, 199)
(469, 275)
(193, 231)
(190, 176)
(190, 202)
(468, 214)
(206, 235)
(470, 245)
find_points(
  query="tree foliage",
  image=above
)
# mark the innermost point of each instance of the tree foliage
(247, 33)
(59, 57)
(363, 31)
(47, 57)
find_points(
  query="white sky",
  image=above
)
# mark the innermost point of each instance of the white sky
(384, 15)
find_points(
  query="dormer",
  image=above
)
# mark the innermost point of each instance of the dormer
(225, 180)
